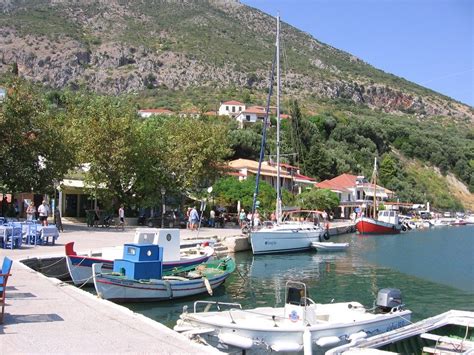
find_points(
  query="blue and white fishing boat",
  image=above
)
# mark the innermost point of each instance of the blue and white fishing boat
(80, 265)
(139, 276)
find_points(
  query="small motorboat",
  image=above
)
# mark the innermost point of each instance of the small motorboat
(80, 266)
(301, 324)
(139, 276)
(329, 246)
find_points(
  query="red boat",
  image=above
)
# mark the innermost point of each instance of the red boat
(366, 225)
(387, 221)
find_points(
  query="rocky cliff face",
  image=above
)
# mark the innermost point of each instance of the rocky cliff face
(93, 56)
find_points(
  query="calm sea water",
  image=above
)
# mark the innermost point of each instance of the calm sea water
(433, 268)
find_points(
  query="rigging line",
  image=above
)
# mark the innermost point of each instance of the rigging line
(264, 136)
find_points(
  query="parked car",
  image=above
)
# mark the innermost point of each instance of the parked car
(171, 219)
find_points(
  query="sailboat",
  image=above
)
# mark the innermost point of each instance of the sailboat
(387, 221)
(280, 236)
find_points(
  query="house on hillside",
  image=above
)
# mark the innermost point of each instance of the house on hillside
(251, 115)
(354, 192)
(231, 108)
(145, 113)
(193, 113)
(291, 178)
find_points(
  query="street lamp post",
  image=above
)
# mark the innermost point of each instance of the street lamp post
(163, 207)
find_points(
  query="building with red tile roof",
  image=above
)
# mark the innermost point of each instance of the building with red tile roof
(291, 177)
(354, 192)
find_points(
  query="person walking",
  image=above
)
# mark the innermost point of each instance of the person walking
(121, 213)
(57, 220)
(242, 217)
(43, 211)
(194, 216)
(188, 216)
(31, 211)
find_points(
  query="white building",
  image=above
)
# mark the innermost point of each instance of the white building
(155, 112)
(290, 177)
(231, 108)
(251, 115)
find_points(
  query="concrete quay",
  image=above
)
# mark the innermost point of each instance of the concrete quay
(45, 315)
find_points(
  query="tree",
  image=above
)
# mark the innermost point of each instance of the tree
(227, 191)
(388, 169)
(245, 143)
(320, 199)
(105, 132)
(192, 151)
(34, 149)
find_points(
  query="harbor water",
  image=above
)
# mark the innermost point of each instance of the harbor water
(434, 269)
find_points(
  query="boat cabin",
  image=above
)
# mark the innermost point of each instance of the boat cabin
(388, 216)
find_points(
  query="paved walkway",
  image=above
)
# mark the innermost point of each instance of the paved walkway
(47, 316)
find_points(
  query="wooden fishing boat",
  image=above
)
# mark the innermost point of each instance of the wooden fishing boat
(80, 266)
(139, 277)
(387, 221)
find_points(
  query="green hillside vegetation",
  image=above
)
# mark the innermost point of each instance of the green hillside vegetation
(135, 157)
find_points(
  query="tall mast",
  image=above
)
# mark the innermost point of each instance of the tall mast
(375, 189)
(278, 187)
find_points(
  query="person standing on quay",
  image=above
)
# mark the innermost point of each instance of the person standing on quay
(212, 218)
(121, 213)
(43, 211)
(31, 211)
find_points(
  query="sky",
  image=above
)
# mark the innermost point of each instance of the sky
(429, 42)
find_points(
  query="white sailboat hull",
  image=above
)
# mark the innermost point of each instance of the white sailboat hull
(284, 238)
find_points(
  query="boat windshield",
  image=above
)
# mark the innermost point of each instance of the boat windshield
(302, 216)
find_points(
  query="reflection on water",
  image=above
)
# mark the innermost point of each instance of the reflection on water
(433, 269)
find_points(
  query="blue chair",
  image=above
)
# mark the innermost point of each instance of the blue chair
(31, 234)
(14, 236)
(4, 274)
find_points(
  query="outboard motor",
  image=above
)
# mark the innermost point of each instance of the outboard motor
(388, 298)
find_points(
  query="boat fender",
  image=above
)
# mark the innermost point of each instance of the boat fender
(286, 346)
(168, 288)
(326, 235)
(327, 341)
(208, 285)
(235, 340)
(356, 336)
(307, 344)
(404, 228)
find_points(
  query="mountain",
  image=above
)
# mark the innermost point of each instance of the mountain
(119, 46)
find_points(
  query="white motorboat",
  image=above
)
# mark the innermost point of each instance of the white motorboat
(441, 223)
(301, 324)
(446, 333)
(329, 246)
